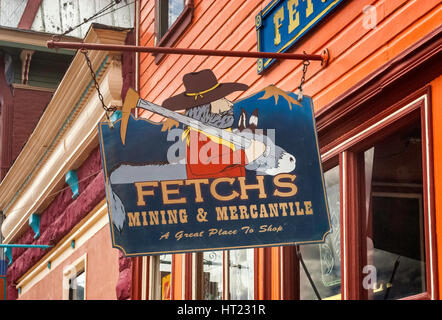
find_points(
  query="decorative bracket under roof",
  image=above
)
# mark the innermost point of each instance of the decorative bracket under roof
(25, 56)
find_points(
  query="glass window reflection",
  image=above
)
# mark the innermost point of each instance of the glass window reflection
(323, 261)
(175, 9)
(241, 274)
(213, 275)
(77, 286)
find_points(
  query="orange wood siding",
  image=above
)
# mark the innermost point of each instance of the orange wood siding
(276, 273)
(229, 25)
(177, 276)
(355, 52)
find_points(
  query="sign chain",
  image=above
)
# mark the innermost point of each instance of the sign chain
(108, 110)
(305, 65)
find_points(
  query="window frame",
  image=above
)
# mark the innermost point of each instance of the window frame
(346, 147)
(409, 75)
(72, 271)
(176, 29)
(197, 281)
(154, 285)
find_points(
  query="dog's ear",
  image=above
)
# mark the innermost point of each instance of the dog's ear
(242, 120)
(253, 121)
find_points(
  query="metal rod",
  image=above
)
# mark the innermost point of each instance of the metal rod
(390, 283)
(201, 52)
(42, 246)
(307, 273)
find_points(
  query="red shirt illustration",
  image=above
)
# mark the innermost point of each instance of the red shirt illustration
(211, 157)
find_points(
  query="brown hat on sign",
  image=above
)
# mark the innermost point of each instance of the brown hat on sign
(202, 87)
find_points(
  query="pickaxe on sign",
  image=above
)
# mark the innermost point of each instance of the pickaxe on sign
(133, 100)
(274, 160)
(130, 102)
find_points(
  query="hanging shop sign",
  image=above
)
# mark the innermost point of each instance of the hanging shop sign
(215, 174)
(282, 23)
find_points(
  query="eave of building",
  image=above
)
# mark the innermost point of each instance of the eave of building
(28, 87)
(64, 136)
(31, 40)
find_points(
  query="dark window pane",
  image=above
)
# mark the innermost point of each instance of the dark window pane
(395, 229)
(168, 12)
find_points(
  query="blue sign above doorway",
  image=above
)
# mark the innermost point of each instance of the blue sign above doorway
(282, 23)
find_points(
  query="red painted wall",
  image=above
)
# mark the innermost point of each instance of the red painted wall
(2, 288)
(6, 105)
(21, 111)
(28, 106)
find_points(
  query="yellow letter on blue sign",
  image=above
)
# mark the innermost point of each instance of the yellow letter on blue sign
(277, 20)
(293, 14)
